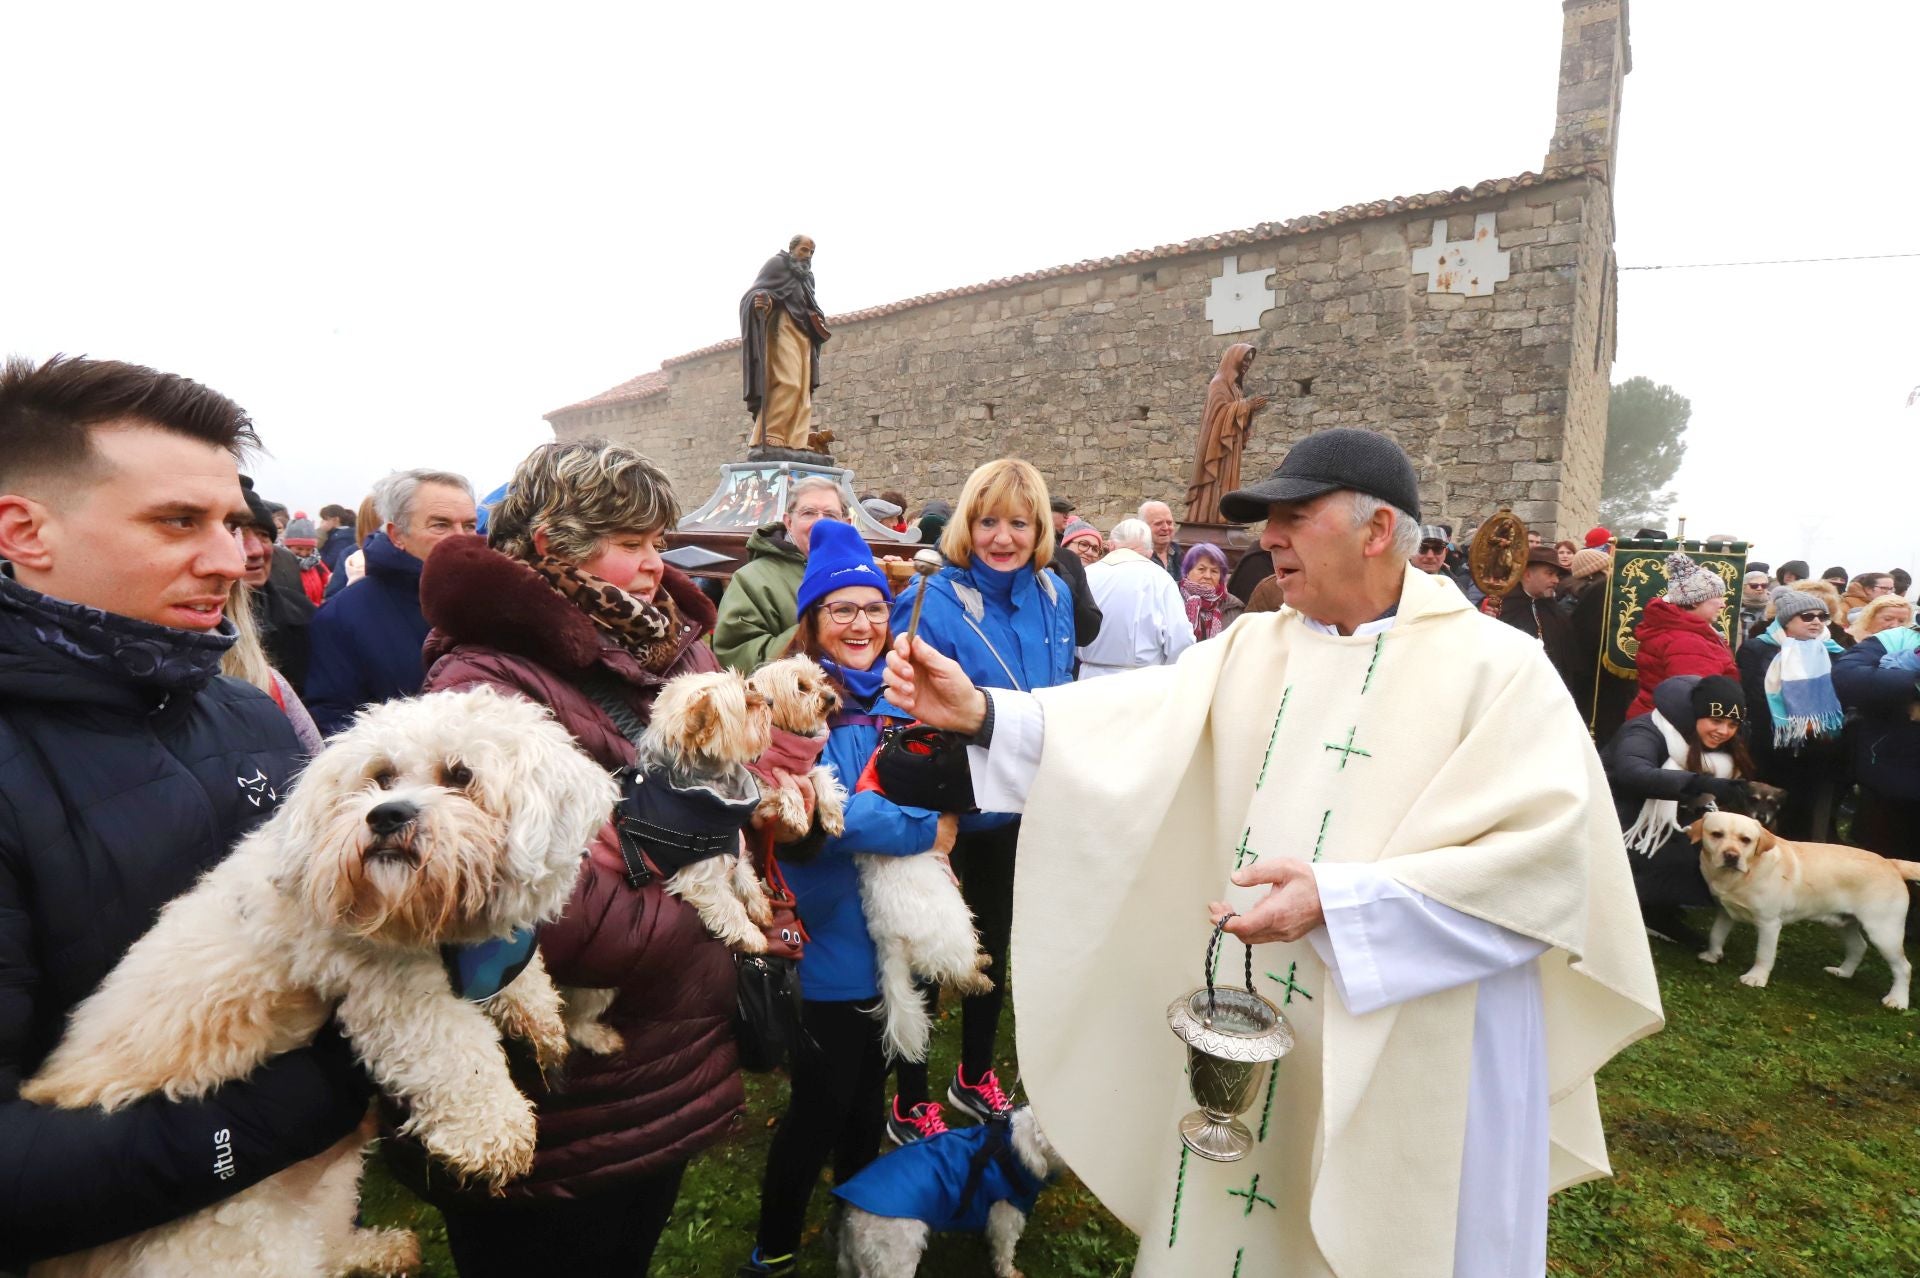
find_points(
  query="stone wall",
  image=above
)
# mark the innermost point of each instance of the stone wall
(1098, 376)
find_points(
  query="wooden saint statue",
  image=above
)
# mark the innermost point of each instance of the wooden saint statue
(781, 332)
(1223, 435)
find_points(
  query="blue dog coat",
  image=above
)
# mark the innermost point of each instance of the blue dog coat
(948, 1180)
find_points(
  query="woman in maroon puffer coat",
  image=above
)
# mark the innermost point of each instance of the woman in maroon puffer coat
(1677, 634)
(572, 607)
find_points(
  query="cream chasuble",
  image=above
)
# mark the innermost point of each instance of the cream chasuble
(1446, 751)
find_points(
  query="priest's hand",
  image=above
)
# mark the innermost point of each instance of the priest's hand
(1286, 913)
(933, 688)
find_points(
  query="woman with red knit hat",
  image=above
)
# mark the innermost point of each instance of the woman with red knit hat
(1677, 634)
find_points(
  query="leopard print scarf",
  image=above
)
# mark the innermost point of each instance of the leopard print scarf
(650, 631)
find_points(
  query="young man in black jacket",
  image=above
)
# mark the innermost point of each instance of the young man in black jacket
(128, 766)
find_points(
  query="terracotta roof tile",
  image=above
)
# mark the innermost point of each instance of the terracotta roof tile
(633, 388)
(650, 384)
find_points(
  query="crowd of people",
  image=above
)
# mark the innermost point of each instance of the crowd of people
(140, 568)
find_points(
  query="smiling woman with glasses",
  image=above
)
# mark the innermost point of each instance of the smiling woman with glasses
(837, 1108)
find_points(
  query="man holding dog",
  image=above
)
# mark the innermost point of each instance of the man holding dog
(1448, 923)
(127, 768)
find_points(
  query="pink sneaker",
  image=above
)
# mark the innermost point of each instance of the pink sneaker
(983, 1099)
(918, 1123)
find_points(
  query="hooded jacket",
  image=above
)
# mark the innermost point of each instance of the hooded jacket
(675, 1086)
(1675, 642)
(366, 640)
(335, 549)
(757, 612)
(128, 767)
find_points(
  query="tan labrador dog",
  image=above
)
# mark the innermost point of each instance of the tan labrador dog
(1769, 882)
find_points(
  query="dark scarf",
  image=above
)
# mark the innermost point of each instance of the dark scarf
(650, 631)
(137, 651)
(1203, 607)
(863, 686)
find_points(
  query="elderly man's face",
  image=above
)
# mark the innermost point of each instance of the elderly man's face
(803, 251)
(808, 509)
(1431, 557)
(1754, 592)
(1317, 551)
(1060, 519)
(1159, 518)
(439, 512)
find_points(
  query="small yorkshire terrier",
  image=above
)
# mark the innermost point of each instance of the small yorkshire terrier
(446, 819)
(704, 730)
(802, 700)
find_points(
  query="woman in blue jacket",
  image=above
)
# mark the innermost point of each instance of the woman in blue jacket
(1007, 619)
(837, 1109)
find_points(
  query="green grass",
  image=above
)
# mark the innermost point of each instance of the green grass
(1764, 1132)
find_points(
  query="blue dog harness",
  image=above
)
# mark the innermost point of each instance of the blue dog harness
(948, 1181)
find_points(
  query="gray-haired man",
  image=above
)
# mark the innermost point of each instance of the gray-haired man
(367, 639)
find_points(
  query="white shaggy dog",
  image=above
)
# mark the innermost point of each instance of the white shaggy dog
(705, 728)
(876, 1246)
(920, 924)
(450, 818)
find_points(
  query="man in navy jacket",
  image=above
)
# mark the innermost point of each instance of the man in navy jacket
(367, 639)
(128, 766)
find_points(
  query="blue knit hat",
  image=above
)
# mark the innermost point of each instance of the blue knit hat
(836, 559)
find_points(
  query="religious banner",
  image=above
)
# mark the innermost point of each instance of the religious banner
(1640, 574)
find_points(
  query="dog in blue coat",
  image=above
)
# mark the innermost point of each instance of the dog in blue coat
(966, 1180)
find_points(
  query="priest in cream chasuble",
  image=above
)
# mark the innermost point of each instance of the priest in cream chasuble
(1422, 780)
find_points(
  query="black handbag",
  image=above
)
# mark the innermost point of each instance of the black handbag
(766, 1016)
(922, 767)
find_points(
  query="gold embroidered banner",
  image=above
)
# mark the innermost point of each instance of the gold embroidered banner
(1640, 574)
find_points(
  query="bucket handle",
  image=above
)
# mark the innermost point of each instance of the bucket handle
(1213, 949)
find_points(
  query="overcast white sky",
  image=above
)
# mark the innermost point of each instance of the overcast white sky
(400, 233)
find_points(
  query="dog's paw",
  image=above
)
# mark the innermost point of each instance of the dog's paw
(592, 1036)
(1895, 999)
(1755, 978)
(383, 1252)
(830, 801)
(1713, 956)
(490, 1143)
(1840, 972)
(783, 810)
(751, 941)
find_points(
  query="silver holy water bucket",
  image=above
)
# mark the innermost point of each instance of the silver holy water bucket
(1233, 1038)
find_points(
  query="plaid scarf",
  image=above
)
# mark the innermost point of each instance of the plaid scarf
(1203, 607)
(650, 631)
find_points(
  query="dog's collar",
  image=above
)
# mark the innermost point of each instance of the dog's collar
(481, 969)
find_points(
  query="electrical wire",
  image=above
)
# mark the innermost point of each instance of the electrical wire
(1777, 261)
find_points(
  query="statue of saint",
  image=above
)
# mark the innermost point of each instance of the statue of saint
(1223, 435)
(781, 331)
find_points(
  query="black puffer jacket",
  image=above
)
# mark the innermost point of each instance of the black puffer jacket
(126, 769)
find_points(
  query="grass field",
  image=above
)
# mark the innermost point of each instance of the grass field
(1764, 1132)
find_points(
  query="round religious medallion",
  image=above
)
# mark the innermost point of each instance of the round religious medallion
(1499, 554)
